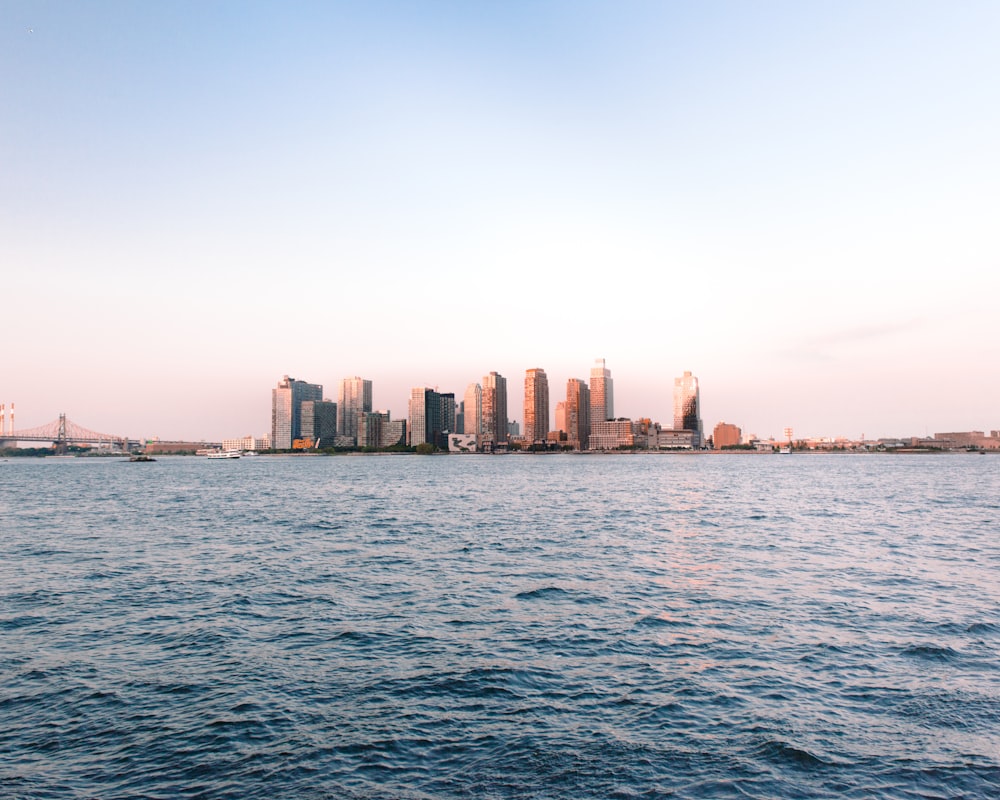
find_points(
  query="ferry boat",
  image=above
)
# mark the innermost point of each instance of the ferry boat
(225, 454)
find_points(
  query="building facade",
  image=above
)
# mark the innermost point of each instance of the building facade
(726, 435)
(560, 421)
(424, 416)
(319, 422)
(577, 412)
(286, 410)
(251, 443)
(494, 425)
(472, 409)
(354, 398)
(536, 406)
(611, 434)
(602, 393)
(687, 406)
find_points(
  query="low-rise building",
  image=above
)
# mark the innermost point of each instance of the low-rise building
(611, 434)
(726, 435)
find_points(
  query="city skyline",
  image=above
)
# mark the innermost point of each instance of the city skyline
(796, 203)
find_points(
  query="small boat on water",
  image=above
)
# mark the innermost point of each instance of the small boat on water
(142, 458)
(225, 454)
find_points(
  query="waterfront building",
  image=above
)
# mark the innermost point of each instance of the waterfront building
(611, 434)
(536, 406)
(461, 443)
(472, 409)
(377, 430)
(687, 406)
(449, 418)
(251, 443)
(969, 439)
(726, 435)
(319, 422)
(286, 410)
(677, 440)
(577, 414)
(425, 416)
(561, 417)
(353, 399)
(602, 394)
(494, 405)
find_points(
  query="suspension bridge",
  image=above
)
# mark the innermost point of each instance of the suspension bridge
(62, 433)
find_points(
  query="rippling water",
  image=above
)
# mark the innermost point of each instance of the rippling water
(508, 627)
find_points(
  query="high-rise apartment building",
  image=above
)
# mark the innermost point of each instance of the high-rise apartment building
(448, 415)
(353, 399)
(286, 410)
(494, 408)
(602, 393)
(687, 406)
(319, 422)
(425, 416)
(472, 408)
(377, 430)
(536, 406)
(577, 413)
(561, 417)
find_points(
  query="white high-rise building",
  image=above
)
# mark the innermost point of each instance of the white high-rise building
(602, 393)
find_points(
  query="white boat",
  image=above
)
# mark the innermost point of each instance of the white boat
(225, 454)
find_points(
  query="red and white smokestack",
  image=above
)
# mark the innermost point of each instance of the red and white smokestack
(11, 422)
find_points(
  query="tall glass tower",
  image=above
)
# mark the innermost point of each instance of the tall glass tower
(687, 406)
(353, 400)
(602, 392)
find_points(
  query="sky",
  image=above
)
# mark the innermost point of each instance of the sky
(797, 202)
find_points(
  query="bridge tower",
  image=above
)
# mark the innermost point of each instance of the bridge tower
(61, 445)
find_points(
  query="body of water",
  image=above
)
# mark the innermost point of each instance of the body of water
(633, 626)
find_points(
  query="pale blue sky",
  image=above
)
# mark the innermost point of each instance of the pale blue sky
(798, 202)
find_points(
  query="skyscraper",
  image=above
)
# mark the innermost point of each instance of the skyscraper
(286, 410)
(561, 417)
(687, 406)
(425, 415)
(494, 408)
(473, 409)
(536, 406)
(319, 422)
(602, 394)
(354, 398)
(577, 413)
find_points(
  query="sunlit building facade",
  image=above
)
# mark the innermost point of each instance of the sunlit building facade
(494, 408)
(536, 406)
(611, 434)
(602, 393)
(726, 435)
(472, 410)
(687, 406)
